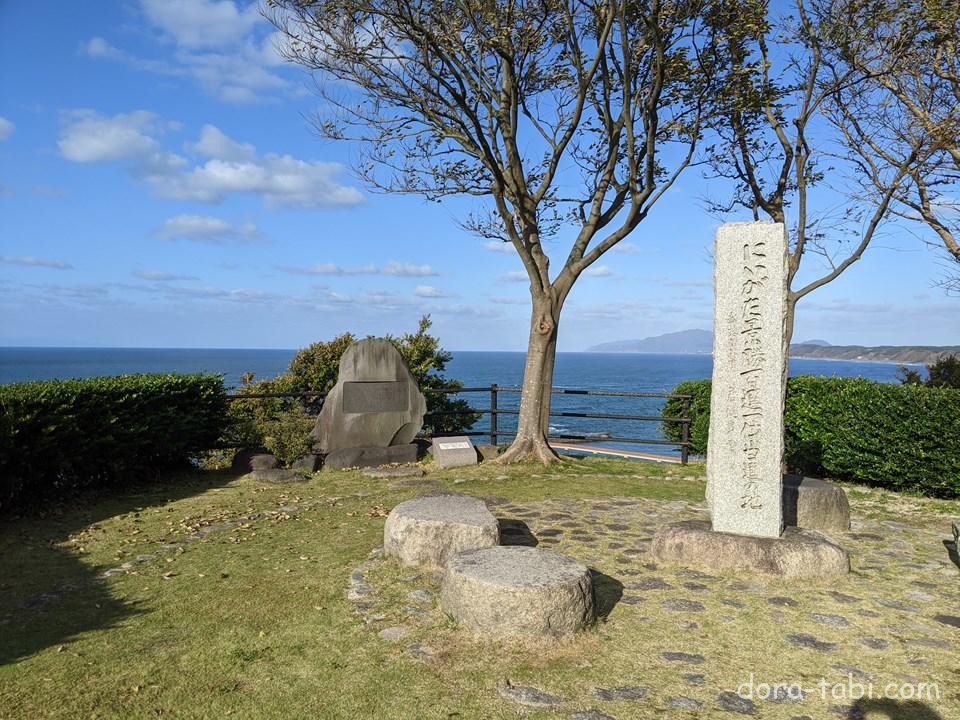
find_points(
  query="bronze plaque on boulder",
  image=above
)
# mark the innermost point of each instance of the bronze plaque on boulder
(375, 404)
(372, 397)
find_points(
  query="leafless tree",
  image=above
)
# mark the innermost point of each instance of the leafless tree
(787, 147)
(570, 117)
(908, 52)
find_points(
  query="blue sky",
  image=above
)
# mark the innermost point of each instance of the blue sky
(160, 187)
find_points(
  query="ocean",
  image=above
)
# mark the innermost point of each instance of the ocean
(591, 371)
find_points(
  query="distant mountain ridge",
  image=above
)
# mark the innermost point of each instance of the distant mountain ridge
(698, 342)
(924, 354)
(685, 342)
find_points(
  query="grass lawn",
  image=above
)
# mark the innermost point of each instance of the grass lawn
(241, 608)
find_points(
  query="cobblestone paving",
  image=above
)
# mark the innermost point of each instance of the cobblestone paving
(894, 619)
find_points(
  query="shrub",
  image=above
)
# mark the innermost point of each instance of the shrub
(315, 368)
(60, 436)
(944, 372)
(901, 437)
(699, 391)
(288, 435)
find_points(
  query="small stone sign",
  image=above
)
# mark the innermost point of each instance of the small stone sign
(375, 404)
(454, 451)
(745, 447)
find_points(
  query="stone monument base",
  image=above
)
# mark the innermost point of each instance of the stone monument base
(795, 554)
(370, 456)
(813, 504)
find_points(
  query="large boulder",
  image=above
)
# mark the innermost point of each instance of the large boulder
(510, 591)
(252, 459)
(430, 529)
(370, 456)
(815, 505)
(375, 403)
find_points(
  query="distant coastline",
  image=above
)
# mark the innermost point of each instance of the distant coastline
(700, 342)
(905, 354)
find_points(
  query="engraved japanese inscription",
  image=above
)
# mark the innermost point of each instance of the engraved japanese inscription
(745, 450)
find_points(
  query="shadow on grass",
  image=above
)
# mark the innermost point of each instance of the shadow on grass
(952, 552)
(894, 709)
(516, 532)
(607, 592)
(47, 594)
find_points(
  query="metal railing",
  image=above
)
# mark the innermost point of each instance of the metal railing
(495, 411)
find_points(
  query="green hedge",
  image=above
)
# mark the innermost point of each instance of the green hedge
(60, 436)
(901, 437)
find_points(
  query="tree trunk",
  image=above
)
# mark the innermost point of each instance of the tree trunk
(533, 423)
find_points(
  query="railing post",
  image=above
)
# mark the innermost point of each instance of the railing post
(493, 414)
(685, 432)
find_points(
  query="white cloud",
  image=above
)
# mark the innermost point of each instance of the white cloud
(277, 179)
(202, 23)
(428, 291)
(510, 301)
(379, 300)
(206, 229)
(844, 305)
(215, 144)
(99, 49)
(227, 47)
(685, 283)
(49, 191)
(513, 276)
(330, 269)
(232, 167)
(598, 271)
(500, 247)
(6, 128)
(27, 261)
(399, 269)
(625, 248)
(393, 268)
(160, 276)
(211, 293)
(88, 137)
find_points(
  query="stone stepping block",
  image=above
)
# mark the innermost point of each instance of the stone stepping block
(430, 529)
(511, 591)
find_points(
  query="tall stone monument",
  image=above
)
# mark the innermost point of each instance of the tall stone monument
(374, 412)
(745, 448)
